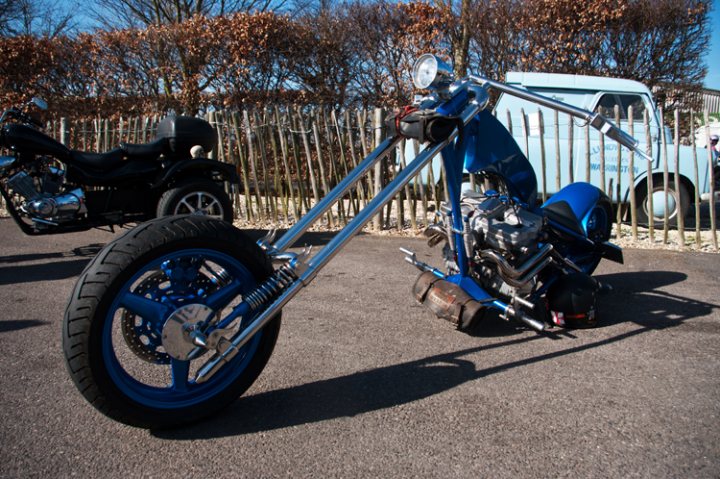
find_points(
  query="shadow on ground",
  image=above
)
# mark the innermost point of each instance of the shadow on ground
(636, 299)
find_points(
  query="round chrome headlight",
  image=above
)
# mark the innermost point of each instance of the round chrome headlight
(431, 72)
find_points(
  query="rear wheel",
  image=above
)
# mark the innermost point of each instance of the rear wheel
(598, 228)
(120, 334)
(678, 203)
(196, 197)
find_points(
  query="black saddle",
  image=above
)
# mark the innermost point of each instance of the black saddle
(562, 214)
(126, 151)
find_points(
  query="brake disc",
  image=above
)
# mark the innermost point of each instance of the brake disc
(139, 334)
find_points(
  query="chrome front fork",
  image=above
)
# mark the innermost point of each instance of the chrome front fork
(304, 272)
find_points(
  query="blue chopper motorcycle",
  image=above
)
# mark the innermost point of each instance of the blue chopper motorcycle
(175, 319)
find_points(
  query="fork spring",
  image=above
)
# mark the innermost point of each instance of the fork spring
(274, 285)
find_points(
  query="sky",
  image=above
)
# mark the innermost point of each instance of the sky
(712, 58)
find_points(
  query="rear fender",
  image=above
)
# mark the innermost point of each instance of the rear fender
(198, 167)
(581, 198)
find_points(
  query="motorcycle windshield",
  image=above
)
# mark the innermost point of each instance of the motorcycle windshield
(491, 148)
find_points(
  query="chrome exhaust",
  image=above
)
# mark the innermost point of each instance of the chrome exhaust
(508, 270)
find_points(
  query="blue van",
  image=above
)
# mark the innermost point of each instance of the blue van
(572, 152)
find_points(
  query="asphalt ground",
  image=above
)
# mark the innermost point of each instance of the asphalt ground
(364, 382)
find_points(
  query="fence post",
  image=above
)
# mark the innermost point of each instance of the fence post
(242, 165)
(698, 237)
(297, 208)
(666, 178)
(601, 142)
(106, 135)
(543, 166)
(558, 164)
(377, 126)
(524, 127)
(713, 226)
(303, 187)
(571, 156)
(649, 177)
(353, 195)
(64, 132)
(121, 131)
(679, 205)
(253, 164)
(619, 177)
(631, 176)
(334, 175)
(308, 154)
(323, 177)
(362, 198)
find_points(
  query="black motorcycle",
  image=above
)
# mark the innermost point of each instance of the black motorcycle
(49, 188)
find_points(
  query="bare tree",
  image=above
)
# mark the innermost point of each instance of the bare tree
(138, 13)
(660, 42)
(458, 24)
(496, 39)
(42, 18)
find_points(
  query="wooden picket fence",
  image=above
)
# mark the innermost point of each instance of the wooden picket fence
(289, 158)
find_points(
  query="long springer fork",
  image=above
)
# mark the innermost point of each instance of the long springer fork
(301, 273)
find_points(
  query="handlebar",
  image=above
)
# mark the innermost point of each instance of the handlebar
(18, 114)
(596, 120)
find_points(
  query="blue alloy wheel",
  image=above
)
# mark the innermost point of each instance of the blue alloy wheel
(120, 363)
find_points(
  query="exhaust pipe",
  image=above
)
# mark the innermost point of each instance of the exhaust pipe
(507, 269)
(448, 301)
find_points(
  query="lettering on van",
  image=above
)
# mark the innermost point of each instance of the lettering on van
(613, 168)
(595, 150)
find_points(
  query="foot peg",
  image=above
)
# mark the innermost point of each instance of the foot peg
(411, 258)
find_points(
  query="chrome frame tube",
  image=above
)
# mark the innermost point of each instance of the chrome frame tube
(535, 98)
(228, 349)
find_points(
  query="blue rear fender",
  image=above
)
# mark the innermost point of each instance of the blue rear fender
(581, 198)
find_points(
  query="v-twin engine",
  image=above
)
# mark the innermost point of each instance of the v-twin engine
(503, 242)
(45, 205)
(500, 224)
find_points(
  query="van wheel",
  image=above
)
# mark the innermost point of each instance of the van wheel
(678, 202)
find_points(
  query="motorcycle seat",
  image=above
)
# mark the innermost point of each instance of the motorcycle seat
(99, 161)
(146, 151)
(126, 151)
(562, 214)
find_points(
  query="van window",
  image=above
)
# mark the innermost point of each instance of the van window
(606, 105)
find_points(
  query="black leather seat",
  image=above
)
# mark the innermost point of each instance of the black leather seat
(562, 214)
(126, 151)
(149, 151)
(99, 161)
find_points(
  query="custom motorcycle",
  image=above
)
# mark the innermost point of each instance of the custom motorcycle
(49, 188)
(174, 320)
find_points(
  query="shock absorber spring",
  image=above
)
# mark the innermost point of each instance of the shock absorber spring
(271, 287)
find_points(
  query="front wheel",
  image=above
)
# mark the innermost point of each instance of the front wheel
(196, 197)
(118, 336)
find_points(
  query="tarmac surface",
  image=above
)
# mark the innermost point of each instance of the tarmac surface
(364, 382)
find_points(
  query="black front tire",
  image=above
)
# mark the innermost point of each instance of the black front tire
(196, 197)
(116, 357)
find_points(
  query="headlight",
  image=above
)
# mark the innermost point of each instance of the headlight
(431, 72)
